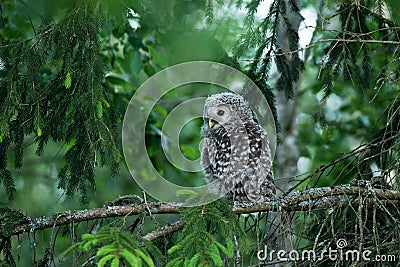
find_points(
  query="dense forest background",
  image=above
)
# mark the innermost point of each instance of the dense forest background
(68, 69)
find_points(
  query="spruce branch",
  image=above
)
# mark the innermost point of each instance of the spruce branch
(316, 43)
(305, 200)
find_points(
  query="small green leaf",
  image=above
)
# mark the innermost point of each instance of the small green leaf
(108, 249)
(144, 257)
(193, 261)
(115, 262)
(175, 262)
(87, 236)
(106, 103)
(68, 80)
(39, 131)
(70, 144)
(130, 258)
(99, 110)
(216, 258)
(230, 248)
(174, 248)
(104, 260)
(89, 244)
(38, 124)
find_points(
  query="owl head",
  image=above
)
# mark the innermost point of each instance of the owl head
(226, 109)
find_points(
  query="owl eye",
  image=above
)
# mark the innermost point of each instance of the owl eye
(220, 112)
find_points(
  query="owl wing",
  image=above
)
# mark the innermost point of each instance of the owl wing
(264, 172)
(208, 159)
(211, 168)
(257, 180)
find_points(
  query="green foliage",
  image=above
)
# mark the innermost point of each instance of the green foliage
(117, 247)
(384, 149)
(358, 77)
(7, 180)
(357, 88)
(263, 37)
(394, 7)
(5, 248)
(8, 220)
(51, 85)
(352, 60)
(207, 238)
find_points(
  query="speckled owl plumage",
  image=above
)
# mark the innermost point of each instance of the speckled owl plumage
(236, 157)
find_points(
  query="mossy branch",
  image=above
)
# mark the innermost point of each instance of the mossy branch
(304, 200)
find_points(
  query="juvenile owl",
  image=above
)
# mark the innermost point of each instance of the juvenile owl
(236, 157)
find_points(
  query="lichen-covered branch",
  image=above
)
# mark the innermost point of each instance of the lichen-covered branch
(309, 199)
(71, 217)
(165, 230)
(321, 198)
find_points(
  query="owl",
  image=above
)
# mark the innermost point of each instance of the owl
(236, 157)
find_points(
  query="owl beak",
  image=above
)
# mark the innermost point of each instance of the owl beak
(211, 123)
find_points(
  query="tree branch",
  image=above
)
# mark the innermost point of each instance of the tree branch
(321, 198)
(72, 217)
(305, 200)
(332, 40)
(165, 230)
